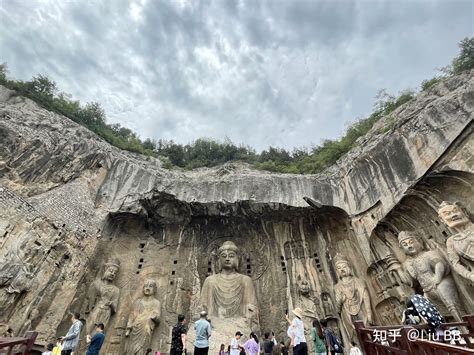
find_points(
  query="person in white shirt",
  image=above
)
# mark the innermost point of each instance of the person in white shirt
(354, 349)
(235, 347)
(296, 333)
(49, 349)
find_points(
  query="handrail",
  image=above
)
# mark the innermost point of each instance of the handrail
(26, 343)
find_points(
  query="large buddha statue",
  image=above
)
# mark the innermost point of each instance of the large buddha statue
(352, 296)
(229, 294)
(461, 245)
(431, 271)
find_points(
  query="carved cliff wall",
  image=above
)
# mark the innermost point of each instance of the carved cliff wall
(69, 203)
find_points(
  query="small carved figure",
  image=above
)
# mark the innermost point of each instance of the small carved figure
(328, 306)
(144, 317)
(229, 294)
(431, 271)
(17, 273)
(103, 297)
(461, 245)
(352, 296)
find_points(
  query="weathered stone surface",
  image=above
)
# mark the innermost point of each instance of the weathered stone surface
(79, 202)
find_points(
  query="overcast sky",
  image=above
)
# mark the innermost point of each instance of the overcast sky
(283, 72)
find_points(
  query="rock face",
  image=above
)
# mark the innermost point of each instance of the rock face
(70, 203)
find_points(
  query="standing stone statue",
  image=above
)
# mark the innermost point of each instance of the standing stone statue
(432, 272)
(306, 300)
(308, 304)
(144, 317)
(229, 294)
(352, 297)
(328, 307)
(461, 245)
(103, 297)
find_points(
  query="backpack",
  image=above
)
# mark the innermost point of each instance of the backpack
(334, 341)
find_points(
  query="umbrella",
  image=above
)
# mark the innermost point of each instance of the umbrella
(427, 310)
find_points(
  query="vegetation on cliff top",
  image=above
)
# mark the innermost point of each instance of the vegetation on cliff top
(208, 152)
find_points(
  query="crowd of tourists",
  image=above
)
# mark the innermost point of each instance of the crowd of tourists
(324, 339)
(67, 344)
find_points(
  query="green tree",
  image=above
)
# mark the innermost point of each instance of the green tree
(43, 85)
(465, 59)
(3, 73)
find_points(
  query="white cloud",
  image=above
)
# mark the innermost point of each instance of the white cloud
(286, 73)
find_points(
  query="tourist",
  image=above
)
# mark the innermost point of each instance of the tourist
(235, 347)
(57, 349)
(222, 350)
(319, 341)
(228, 350)
(410, 314)
(178, 336)
(252, 346)
(71, 340)
(95, 343)
(284, 348)
(296, 333)
(333, 343)
(269, 343)
(49, 349)
(354, 349)
(203, 332)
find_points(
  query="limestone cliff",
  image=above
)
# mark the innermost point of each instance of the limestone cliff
(81, 201)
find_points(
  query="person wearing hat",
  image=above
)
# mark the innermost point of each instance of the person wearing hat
(203, 332)
(95, 343)
(296, 333)
(235, 347)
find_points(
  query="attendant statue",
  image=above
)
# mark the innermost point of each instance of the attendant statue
(229, 294)
(461, 245)
(103, 297)
(308, 304)
(144, 317)
(306, 300)
(352, 296)
(431, 271)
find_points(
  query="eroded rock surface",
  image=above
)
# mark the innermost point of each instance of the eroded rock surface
(70, 203)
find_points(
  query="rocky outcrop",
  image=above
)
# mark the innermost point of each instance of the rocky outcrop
(86, 202)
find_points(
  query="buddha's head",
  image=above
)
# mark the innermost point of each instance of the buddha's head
(228, 257)
(304, 287)
(453, 214)
(410, 242)
(111, 270)
(342, 265)
(149, 287)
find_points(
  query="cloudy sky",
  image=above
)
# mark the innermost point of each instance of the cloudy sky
(281, 72)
